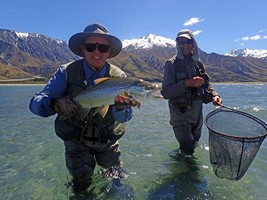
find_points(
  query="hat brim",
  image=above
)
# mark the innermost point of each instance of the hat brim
(185, 36)
(76, 41)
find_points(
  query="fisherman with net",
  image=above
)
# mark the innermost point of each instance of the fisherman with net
(186, 86)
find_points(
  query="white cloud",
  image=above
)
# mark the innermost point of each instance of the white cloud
(262, 30)
(256, 37)
(246, 38)
(192, 21)
(197, 32)
(249, 38)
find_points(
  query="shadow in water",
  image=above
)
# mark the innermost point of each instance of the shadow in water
(184, 182)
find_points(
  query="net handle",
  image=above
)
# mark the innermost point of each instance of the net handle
(223, 106)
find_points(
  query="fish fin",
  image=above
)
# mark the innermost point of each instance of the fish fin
(102, 110)
(83, 112)
(124, 94)
(99, 80)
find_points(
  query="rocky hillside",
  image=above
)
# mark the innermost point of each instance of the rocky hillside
(25, 55)
(28, 54)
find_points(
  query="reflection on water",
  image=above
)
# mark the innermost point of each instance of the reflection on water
(32, 164)
(184, 182)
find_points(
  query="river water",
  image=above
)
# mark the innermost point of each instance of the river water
(32, 162)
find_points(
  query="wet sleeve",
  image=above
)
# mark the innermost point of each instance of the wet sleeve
(173, 83)
(212, 90)
(122, 116)
(56, 86)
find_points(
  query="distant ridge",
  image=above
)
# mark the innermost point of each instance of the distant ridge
(25, 55)
(255, 53)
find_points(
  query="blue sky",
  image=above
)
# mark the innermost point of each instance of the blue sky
(220, 25)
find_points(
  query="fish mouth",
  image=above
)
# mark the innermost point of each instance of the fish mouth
(156, 94)
(153, 93)
(153, 90)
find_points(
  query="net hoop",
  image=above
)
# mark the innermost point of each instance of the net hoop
(232, 149)
(261, 122)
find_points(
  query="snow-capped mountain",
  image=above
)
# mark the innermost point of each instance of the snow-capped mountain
(30, 54)
(148, 42)
(25, 36)
(36, 45)
(255, 53)
(151, 45)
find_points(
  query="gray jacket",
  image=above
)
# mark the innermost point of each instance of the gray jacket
(185, 103)
(177, 69)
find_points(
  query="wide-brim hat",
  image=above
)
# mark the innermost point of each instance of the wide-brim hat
(185, 33)
(77, 40)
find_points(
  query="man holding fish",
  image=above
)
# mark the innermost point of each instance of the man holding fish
(93, 100)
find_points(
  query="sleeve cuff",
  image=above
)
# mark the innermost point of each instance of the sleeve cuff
(122, 116)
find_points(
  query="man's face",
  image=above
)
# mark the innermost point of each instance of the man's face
(186, 45)
(96, 51)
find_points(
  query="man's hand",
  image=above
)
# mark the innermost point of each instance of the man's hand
(124, 102)
(217, 101)
(66, 107)
(196, 81)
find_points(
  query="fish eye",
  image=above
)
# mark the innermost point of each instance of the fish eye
(148, 87)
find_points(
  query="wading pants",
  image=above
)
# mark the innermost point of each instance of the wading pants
(81, 159)
(187, 125)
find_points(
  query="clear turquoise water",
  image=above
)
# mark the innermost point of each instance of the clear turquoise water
(32, 162)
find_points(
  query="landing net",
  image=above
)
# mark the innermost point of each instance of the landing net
(234, 139)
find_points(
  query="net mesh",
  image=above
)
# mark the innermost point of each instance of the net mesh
(234, 139)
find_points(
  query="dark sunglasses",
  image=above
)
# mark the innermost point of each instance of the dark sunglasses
(183, 42)
(91, 47)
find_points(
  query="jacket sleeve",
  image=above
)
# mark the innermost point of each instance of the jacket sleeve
(122, 116)
(56, 86)
(204, 75)
(212, 90)
(173, 83)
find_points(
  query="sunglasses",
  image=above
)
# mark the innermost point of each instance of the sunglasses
(91, 47)
(183, 42)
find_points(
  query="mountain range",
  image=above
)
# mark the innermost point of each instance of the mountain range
(25, 55)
